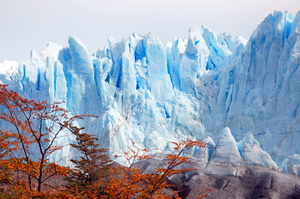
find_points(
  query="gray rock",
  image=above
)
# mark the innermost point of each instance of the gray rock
(252, 182)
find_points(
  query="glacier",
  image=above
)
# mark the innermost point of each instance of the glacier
(191, 88)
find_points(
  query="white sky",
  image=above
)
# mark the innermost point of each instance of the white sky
(31, 24)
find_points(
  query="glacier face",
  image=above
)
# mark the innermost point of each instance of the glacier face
(264, 97)
(189, 89)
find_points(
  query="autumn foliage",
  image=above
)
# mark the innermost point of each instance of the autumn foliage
(27, 145)
(89, 177)
(25, 170)
(131, 181)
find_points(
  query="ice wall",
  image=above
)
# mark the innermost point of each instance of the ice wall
(262, 86)
(189, 89)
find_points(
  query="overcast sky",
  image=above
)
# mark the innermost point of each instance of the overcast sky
(31, 24)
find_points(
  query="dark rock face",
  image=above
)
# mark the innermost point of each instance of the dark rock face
(257, 182)
(252, 182)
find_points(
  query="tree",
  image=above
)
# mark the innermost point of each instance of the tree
(95, 177)
(91, 171)
(6, 146)
(131, 181)
(27, 146)
(25, 149)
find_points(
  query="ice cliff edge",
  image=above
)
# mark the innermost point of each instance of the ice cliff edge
(188, 89)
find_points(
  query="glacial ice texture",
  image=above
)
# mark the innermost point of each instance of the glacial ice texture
(189, 89)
